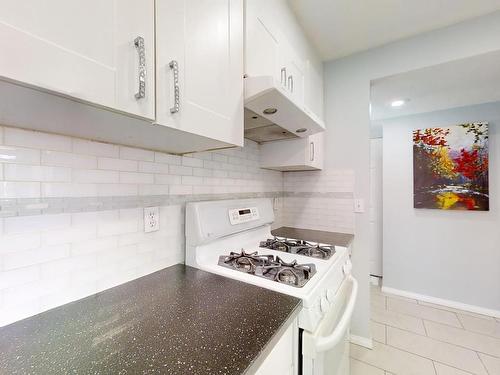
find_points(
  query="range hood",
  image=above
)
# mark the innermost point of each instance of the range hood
(270, 114)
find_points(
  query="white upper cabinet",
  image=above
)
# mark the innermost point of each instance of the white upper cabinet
(276, 46)
(313, 89)
(300, 154)
(98, 51)
(199, 60)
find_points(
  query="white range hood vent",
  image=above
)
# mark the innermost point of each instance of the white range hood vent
(262, 97)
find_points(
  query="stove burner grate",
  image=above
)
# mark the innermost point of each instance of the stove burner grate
(300, 247)
(269, 267)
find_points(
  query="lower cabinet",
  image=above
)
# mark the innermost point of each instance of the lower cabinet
(300, 154)
(283, 358)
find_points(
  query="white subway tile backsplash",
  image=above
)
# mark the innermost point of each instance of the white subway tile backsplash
(136, 178)
(89, 251)
(202, 172)
(33, 139)
(10, 189)
(20, 172)
(117, 190)
(155, 189)
(18, 276)
(117, 164)
(161, 157)
(36, 256)
(23, 224)
(192, 180)
(31, 292)
(97, 245)
(53, 190)
(150, 167)
(83, 146)
(181, 170)
(19, 155)
(192, 162)
(66, 159)
(95, 176)
(180, 190)
(69, 235)
(19, 242)
(136, 154)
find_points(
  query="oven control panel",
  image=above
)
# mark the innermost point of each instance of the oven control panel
(243, 215)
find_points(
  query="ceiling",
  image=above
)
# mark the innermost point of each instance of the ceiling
(458, 83)
(341, 27)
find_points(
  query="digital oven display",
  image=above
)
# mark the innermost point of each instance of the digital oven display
(244, 212)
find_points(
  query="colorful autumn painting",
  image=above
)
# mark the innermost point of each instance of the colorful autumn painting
(450, 167)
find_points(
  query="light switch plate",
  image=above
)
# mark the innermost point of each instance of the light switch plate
(359, 205)
(151, 219)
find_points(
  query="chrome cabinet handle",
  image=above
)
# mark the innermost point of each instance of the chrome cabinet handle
(311, 152)
(283, 76)
(175, 67)
(290, 83)
(139, 45)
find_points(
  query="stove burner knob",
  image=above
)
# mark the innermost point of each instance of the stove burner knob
(325, 306)
(330, 295)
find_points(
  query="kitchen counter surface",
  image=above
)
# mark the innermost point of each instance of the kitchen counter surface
(179, 320)
(332, 238)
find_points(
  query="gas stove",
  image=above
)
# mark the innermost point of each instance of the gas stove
(294, 246)
(269, 267)
(312, 272)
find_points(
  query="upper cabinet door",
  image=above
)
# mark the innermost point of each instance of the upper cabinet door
(199, 52)
(84, 49)
(313, 89)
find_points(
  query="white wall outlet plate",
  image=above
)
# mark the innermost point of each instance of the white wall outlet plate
(151, 219)
(359, 205)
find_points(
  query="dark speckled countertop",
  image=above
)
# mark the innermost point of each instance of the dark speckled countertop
(331, 238)
(179, 320)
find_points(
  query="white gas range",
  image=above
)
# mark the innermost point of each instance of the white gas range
(233, 238)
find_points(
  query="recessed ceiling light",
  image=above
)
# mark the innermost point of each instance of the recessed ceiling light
(269, 111)
(301, 130)
(398, 103)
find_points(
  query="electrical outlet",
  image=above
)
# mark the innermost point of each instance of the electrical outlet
(151, 219)
(359, 205)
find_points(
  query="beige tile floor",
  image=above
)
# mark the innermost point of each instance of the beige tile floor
(417, 338)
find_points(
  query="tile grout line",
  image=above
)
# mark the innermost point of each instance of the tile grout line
(465, 347)
(481, 360)
(432, 360)
(369, 364)
(459, 320)
(434, 365)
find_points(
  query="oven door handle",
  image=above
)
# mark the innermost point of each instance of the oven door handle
(325, 343)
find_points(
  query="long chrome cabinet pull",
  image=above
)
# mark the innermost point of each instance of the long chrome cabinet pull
(312, 151)
(139, 45)
(175, 67)
(283, 76)
(290, 83)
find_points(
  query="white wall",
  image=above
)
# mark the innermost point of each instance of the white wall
(347, 88)
(91, 235)
(451, 255)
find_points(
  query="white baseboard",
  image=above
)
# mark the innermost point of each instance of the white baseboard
(442, 302)
(362, 341)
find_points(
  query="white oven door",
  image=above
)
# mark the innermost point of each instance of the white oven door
(326, 351)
